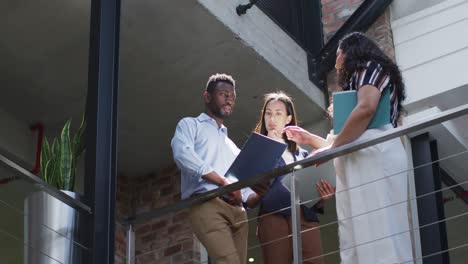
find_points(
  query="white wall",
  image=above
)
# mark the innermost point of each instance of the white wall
(402, 8)
(432, 51)
(431, 48)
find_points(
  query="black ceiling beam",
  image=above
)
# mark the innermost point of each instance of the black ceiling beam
(361, 20)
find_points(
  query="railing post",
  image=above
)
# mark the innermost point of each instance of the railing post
(130, 245)
(413, 205)
(296, 221)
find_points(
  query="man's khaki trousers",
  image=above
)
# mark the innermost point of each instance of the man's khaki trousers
(222, 229)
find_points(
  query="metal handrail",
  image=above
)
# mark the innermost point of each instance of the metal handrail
(319, 158)
(42, 185)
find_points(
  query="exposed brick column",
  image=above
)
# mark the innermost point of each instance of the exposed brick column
(336, 12)
(168, 239)
(124, 196)
(381, 32)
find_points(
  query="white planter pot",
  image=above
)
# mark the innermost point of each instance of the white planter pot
(50, 229)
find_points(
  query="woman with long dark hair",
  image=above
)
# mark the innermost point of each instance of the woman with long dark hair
(371, 196)
(274, 223)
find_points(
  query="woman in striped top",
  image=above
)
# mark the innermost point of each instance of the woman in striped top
(371, 184)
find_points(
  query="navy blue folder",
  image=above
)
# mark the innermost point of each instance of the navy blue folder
(258, 155)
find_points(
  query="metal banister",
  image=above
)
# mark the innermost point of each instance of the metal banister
(319, 158)
(42, 185)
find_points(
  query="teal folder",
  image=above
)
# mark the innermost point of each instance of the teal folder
(345, 102)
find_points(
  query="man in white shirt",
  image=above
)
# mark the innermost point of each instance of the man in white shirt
(203, 152)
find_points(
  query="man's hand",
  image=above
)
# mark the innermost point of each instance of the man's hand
(235, 197)
(261, 188)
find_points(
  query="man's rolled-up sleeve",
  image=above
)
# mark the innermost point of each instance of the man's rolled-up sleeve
(246, 192)
(183, 149)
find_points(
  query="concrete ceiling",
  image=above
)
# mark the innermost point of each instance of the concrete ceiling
(168, 50)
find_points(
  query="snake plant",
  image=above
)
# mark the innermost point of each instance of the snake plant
(59, 160)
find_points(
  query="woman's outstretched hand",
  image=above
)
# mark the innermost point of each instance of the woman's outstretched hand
(302, 136)
(297, 134)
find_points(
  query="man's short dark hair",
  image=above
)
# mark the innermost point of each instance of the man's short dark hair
(217, 78)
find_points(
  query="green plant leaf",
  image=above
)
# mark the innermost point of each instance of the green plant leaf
(45, 157)
(66, 157)
(79, 139)
(55, 172)
(55, 163)
(59, 159)
(45, 172)
(78, 146)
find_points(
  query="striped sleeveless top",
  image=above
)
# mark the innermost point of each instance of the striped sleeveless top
(374, 75)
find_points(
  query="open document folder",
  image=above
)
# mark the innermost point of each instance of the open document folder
(307, 178)
(258, 155)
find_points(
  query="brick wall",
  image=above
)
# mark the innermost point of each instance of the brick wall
(124, 196)
(336, 12)
(168, 239)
